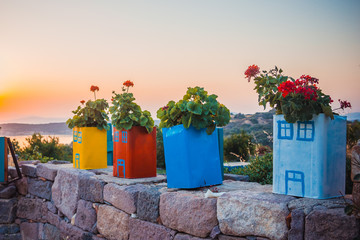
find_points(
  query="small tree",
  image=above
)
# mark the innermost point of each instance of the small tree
(40, 148)
(239, 144)
(353, 133)
(160, 158)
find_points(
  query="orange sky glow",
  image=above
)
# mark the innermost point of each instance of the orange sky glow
(52, 52)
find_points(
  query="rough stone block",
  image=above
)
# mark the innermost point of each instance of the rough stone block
(231, 186)
(33, 209)
(69, 231)
(85, 215)
(40, 188)
(91, 189)
(215, 232)
(58, 162)
(145, 230)
(65, 190)
(31, 231)
(22, 186)
(28, 162)
(13, 172)
(188, 213)
(14, 236)
(297, 225)
(9, 228)
(8, 192)
(235, 177)
(51, 207)
(225, 237)
(182, 236)
(123, 197)
(148, 205)
(356, 193)
(8, 210)
(119, 227)
(323, 224)
(29, 170)
(47, 171)
(53, 219)
(308, 204)
(127, 181)
(247, 213)
(50, 232)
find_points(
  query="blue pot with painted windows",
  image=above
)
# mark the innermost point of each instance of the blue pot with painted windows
(309, 157)
(192, 157)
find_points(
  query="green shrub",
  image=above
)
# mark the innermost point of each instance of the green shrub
(254, 121)
(353, 133)
(239, 145)
(160, 158)
(239, 116)
(259, 170)
(44, 149)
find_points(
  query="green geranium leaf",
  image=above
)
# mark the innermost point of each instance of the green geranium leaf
(160, 113)
(186, 120)
(194, 107)
(327, 111)
(143, 120)
(175, 113)
(210, 129)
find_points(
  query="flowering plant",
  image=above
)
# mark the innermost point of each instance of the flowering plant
(297, 99)
(197, 108)
(126, 113)
(91, 113)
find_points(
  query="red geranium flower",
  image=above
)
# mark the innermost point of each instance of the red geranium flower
(344, 104)
(128, 83)
(94, 88)
(82, 101)
(286, 87)
(252, 71)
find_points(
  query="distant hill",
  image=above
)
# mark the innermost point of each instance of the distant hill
(20, 129)
(353, 116)
(259, 125)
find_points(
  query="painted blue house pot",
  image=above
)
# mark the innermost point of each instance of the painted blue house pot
(192, 157)
(309, 157)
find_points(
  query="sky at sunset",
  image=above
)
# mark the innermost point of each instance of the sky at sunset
(51, 52)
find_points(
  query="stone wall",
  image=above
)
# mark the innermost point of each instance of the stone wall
(55, 201)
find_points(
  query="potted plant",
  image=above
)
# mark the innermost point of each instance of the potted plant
(134, 137)
(191, 143)
(89, 125)
(309, 147)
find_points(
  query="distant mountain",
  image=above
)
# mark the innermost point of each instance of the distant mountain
(353, 116)
(34, 120)
(22, 129)
(259, 125)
